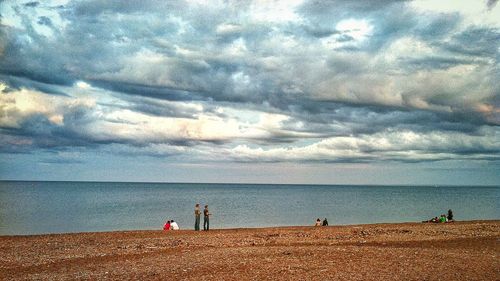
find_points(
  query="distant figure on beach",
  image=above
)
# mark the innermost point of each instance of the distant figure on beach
(318, 222)
(206, 218)
(434, 219)
(174, 225)
(166, 226)
(442, 218)
(197, 214)
(325, 222)
(450, 215)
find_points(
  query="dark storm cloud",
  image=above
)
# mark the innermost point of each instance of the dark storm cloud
(433, 27)
(27, 57)
(44, 21)
(43, 134)
(158, 92)
(369, 119)
(162, 108)
(475, 41)
(31, 4)
(318, 31)
(437, 62)
(15, 82)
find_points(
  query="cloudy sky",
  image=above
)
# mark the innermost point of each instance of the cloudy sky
(332, 92)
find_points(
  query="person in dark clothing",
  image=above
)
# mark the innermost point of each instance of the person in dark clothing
(450, 215)
(206, 216)
(325, 222)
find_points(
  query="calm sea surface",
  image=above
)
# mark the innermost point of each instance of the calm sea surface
(56, 207)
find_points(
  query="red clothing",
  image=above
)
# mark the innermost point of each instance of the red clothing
(166, 226)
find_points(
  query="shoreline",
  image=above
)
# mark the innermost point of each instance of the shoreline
(248, 228)
(462, 250)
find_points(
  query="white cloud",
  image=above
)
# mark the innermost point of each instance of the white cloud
(390, 145)
(357, 29)
(82, 85)
(17, 106)
(275, 11)
(228, 28)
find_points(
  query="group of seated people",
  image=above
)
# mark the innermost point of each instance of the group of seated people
(171, 225)
(442, 218)
(318, 222)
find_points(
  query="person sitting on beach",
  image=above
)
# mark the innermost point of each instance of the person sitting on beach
(166, 226)
(435, 219)
(174, 225)
(325, 222)
(318, 222)
(442, 219)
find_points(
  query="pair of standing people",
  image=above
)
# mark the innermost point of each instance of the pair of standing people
(206, 217)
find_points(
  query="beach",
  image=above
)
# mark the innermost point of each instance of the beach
(403, 251)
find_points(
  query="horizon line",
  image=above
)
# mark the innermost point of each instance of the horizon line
(250, 183)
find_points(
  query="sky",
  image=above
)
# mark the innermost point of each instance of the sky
(316, 92)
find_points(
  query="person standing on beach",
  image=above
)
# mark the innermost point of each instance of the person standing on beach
(197, 214)
(206, 215)
(450, 215)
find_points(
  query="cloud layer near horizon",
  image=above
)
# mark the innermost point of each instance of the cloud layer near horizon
(250, 81)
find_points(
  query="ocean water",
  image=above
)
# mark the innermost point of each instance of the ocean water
(59, 207)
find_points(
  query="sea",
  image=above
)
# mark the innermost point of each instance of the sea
(38, 207)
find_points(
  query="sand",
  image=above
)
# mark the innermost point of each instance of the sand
(407, 251)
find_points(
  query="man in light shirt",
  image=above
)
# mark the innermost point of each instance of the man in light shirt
(197, 214)
(174, 225)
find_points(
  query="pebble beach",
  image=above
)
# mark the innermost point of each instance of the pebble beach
(403, 251)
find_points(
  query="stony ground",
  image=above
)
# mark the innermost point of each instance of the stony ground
(409, 251)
